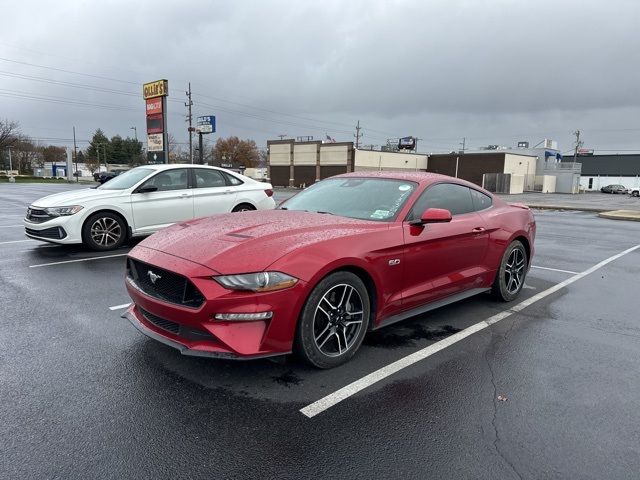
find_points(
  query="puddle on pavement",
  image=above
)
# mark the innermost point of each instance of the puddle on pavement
(406, 336)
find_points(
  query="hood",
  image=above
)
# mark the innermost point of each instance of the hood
(74, 197)
(251, 241)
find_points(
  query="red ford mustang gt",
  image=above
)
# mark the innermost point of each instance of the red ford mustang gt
(349, 254)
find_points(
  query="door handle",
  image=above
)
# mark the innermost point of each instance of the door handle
(226, 192)
(183, 195)
(478, 230)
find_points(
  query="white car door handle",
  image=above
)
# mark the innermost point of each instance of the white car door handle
(183, 195)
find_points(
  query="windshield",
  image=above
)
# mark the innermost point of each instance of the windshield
(364, 198)
(127, 179)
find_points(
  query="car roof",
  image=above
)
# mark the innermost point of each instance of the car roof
(411, 176)
(167, 166)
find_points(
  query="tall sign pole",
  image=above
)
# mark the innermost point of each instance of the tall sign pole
(155, 96)
(206, 125)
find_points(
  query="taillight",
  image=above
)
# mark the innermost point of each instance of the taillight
(269, 192)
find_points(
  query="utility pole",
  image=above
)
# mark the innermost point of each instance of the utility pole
(190, 120)
(282, 136)
(463, 143)
(358, 135)
(135, 132)
(75, 154)
(578, 145)
(10, 164)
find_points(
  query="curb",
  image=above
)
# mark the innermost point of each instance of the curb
(631, 215)
(568, 207)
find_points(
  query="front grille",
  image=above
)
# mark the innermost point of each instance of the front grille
(35, 215)
(168, 286)
(183, 331)
(54, 233)
(161, 322)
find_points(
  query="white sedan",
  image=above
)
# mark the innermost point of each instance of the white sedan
(141, 201)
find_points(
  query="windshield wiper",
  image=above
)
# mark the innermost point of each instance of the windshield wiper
(325, 213)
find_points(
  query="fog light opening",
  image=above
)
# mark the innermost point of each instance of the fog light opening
(243, 317)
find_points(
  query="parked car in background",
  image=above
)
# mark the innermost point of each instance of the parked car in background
(614, 189)
(140, 202)
(349, 254)
(103, 177)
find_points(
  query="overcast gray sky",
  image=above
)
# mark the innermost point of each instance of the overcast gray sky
(494, 71)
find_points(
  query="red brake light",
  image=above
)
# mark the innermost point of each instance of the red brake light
(269, 192)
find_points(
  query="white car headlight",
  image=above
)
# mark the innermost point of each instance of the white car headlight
(257, 282)
(63, 211)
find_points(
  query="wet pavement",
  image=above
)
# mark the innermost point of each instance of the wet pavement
(552, 391)
(595, 201)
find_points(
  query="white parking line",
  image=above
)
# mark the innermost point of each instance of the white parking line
(120, 307)
(77, 260)
(554, 269)
(338, 396)
(17, 241)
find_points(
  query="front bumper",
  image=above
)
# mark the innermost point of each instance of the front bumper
(194, 331)
(69, 230)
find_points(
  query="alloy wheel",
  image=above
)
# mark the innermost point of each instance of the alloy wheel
(338, 320)
(105, 232)
(514, 270)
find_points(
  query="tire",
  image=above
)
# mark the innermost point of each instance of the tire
(243, 207)
(512, 272)
(334, 321)
(635, 193)
(104, 231)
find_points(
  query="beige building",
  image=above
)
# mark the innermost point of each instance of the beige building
(297, 164)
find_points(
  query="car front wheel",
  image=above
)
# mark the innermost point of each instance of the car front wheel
(334, 321)
(243, 207)
(511, 273)
(104, 231)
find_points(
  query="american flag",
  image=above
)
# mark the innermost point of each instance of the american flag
(329, 139)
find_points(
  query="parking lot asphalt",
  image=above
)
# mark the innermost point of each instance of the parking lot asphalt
(593, 201)
(547, 388)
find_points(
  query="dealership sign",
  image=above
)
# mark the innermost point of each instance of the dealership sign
(159, 88)
(154, 106)
(206, 124)
(155, 96)
(407, 143)
(155, 142)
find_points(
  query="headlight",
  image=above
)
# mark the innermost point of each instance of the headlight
(257, 282)
(62, 211)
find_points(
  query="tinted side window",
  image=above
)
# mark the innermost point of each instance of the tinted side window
(169, 180)
(455, 198)
(232, 180)
(208, 178)
(480, 200)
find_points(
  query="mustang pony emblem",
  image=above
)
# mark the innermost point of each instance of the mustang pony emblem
(153, 276)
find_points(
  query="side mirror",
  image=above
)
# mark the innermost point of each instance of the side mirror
(433, 215)
(147, 189)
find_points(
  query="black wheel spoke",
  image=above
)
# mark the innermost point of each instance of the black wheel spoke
(338, 320)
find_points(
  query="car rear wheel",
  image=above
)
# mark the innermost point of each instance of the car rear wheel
(104, 231)
(334, 321)
(635, 193)
(243, 207)
(512, 272)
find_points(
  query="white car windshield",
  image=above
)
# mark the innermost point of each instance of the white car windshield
(127, 179)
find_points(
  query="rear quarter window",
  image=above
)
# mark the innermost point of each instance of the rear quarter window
(481, 201)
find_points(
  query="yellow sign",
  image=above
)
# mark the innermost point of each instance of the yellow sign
(159, 88)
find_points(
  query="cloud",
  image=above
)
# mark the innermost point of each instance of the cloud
(442, 69)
